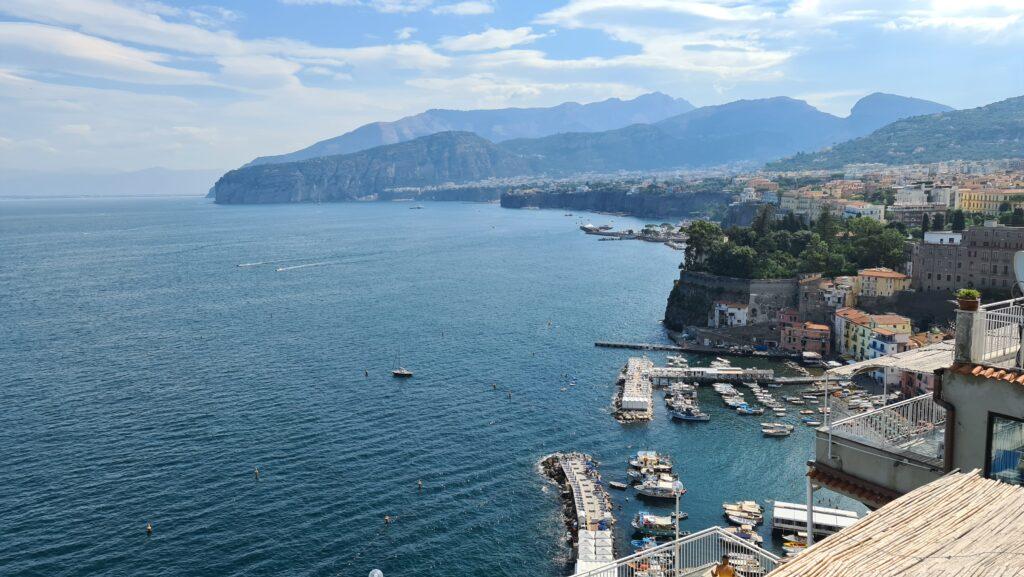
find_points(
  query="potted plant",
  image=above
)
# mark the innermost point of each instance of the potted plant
(968, 299)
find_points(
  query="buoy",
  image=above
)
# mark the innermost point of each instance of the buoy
(494, 386)
(387, 519)
(420, 484)
(149, 528)
(257, 473)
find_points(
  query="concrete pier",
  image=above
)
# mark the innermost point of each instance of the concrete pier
(589, 512)
(635, 400)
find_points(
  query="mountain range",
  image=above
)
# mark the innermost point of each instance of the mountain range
(498, 124)
(988, 132)
(745, 131)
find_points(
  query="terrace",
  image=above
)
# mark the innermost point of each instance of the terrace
(691, 555)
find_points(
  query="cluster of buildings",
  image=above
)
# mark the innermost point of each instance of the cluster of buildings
(979, 257)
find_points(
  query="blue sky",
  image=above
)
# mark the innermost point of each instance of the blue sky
(127, 84)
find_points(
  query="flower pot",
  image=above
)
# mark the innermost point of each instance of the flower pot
(968, 304)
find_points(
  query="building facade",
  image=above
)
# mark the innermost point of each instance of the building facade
(983, 260)
(881, 282)
(806, 337)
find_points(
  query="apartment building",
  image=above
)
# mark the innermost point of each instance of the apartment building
(806, 337)
(855, 330)
(983, 259)
(911, 215)
(988, 200)
(881, 282)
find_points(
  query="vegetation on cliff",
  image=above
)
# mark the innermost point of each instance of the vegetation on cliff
(772, 248)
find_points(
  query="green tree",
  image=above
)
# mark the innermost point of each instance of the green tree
(827, 226)
(958, 221)
(939, 221)
(1018, 217)
(763, 220)
(814, 258)
(926, 223)
(703, 236)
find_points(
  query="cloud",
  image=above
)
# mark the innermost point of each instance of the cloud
(492, 90)
(61, 50)
(76, 129)
(468, 8)
(489, 39)
(405, 33)
(385, 6)
(571, 14)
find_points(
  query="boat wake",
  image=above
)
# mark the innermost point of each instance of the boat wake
(307, 265)
(265, 262)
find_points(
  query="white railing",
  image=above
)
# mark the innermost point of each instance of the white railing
(691, 555)
(911, 426)
(995, 334)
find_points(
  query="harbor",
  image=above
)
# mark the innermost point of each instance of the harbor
(635, 398)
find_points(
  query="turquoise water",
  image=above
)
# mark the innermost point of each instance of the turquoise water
(146, 374)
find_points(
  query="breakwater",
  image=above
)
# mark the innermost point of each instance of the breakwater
(586, 506)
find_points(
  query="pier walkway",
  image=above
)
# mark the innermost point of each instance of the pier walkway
(593, 512)
(636, 400)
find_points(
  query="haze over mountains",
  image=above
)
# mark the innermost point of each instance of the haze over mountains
(497, 125)
(745, 131)
(987, 132)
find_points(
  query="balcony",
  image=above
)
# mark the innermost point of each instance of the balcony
(991, 336)
(692, 555)
(887, 451)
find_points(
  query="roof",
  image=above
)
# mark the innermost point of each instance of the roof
(957, 526)
(885, 332)
(881, 272)
(927, 359)
(864, 491)
(890, 319)
(987, 372)
(731, 305)
(851, 313)
(815, 326)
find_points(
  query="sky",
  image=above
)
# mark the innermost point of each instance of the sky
(131, 84)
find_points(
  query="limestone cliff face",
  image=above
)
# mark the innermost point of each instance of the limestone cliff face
(444, 157)
(620, 201)
(693, 294)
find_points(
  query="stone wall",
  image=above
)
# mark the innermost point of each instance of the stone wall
(694, 292)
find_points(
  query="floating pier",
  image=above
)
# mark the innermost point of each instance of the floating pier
(588, 508)
(792, 517)
(635, 400)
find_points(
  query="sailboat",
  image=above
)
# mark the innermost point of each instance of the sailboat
(399, 371)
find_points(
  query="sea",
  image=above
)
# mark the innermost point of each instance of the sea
(156, 351)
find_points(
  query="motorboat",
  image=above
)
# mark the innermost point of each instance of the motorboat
(743, 508)
(746, 409)
(794, 547)
(690, 413)
(651, 460)
(746, 532)
(661, 486)
(740, 518)
(655, 525)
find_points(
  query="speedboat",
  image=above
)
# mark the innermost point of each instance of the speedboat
(661, 486)
(742, 518)
(746, 409)
(651, 460)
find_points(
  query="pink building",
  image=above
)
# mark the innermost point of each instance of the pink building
(806, 337)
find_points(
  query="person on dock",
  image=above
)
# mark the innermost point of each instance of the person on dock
(724, 569)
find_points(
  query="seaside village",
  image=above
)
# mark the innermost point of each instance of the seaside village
(909, 379)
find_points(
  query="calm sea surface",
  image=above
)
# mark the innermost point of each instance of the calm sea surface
(145, 374)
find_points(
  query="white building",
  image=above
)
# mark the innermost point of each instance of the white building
(726, 314)
(943, 237)
(855, 209)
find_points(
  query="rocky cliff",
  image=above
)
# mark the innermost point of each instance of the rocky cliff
(621, 201)
(693, 294)
(439, 158)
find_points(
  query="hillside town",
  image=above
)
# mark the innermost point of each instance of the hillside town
(842, 268)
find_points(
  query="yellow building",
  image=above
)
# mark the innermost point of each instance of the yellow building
(988, 200)
(881, 282)
(859, 328)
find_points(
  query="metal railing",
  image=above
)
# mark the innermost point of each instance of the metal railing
(691, 555)
(912, 426)
(996, 332)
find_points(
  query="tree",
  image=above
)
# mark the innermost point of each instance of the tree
(703, 236)
(1018, 217)
(926, 223)
(939, 221)
(827, 226)
(958, 221)
(763, 220)
(1004, 206)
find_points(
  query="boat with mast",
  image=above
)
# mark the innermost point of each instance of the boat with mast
(398, 370)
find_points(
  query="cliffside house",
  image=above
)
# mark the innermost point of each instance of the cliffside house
(855, 330)
(881, 282)
(728, 314)
(820, 297)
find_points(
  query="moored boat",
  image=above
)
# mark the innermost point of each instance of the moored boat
(655, 525)
(661, 486)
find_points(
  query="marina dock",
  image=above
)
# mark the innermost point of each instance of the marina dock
(639, 346)
(792, 518)
(635, 400)
(588, 508)
(661, 376)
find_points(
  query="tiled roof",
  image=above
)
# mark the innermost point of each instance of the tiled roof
(853, 486)
(890, 319)
(986, 372)
(815, 327)
(881, 272)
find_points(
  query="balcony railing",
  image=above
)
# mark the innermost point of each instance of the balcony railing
(915, 427)
(995, 333)
(691, 555)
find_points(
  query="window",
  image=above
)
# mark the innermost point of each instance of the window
(1005, 449)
